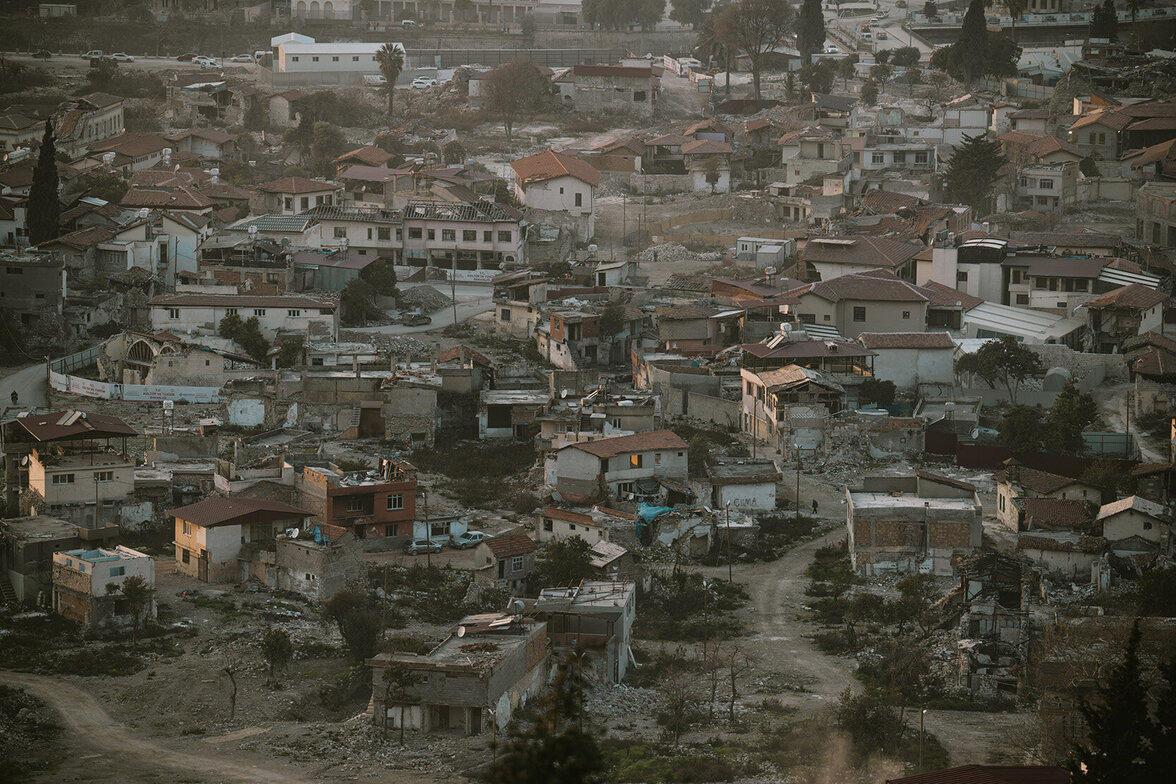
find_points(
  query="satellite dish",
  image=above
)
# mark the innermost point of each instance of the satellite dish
(461, 631)
(516, 606)
(24, 460)
(975, 434)
(563, 393)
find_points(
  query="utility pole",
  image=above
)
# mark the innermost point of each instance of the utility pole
(922, 714)
(453, 289)
(798, 480)
(428, 531)
(730, 578)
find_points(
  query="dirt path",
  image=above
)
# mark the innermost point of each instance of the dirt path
(98, 743)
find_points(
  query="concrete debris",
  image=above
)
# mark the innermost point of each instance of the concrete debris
(426, 299)
(673, 252)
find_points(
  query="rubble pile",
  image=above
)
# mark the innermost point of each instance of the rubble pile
(424, 298)
(673, 252)
(620, 700)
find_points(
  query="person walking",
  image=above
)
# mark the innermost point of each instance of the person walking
(15, 397)
(814, 506)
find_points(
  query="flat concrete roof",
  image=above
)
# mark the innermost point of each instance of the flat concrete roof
(864, 500)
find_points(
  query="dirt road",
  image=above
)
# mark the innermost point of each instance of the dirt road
(92, 736)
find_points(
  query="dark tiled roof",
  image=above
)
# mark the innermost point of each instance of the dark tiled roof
(297, 185)
(216, 511)
(511, 543)
(51, 427)
(860, 250)
(906, 340)
(1134, 296)
(945, 297)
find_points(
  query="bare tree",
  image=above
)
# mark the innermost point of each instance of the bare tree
(756, 28)
(679, 701)
(739, 662)
(137, 593)
(397, 680)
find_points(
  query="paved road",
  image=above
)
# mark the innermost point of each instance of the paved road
(126, 754)
(29, 384)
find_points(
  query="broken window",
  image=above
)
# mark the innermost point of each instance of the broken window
(354, 503)
(548, 525)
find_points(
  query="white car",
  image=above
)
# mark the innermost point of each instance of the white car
(122, 57)
(241, 58)
(423, 82)
(206, 62)
(832, 50)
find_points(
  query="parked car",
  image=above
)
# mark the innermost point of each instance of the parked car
(882, 36)
(90, 55)
(122, 57)
(832, 50)
(468, 539)
(867, 37)
(423, 82)
(42, 54)
(418, 546)
(187, 58)
(241, 58)
(409, 23)
(206, 62)
(416, 320)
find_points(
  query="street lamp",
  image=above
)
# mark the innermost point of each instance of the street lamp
(922, 714)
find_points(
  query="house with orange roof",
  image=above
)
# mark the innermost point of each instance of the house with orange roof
(558, 182)
(293, 195)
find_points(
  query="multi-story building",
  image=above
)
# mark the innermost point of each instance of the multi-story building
(34, 284)
(86, 583)
(216, 539)
(16, 130)
(203, 313)
(560, 183)
(616, 88)
(372, 504)
(70, 467)
(1047, 187)
(293, 195)
(83, 121)
(468, 240)
(810, 152)
(368, 232)
(613, 466)
(1155, 214)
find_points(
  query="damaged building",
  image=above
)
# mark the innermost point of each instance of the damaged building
(911, 523)
(995, 592)
(488, 667)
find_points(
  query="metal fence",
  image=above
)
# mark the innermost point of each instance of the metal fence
(82, 359)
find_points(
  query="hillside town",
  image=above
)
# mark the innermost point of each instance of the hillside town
(588, 391)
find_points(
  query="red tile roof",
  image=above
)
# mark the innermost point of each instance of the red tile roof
(550, 164)
(1134, 296)
(511, 543)
(177, 198)
(212, 512)
(1058, 513)
(571, 517)
(874, 286)
(706, 147)
(371, 156)
(1031, 479)
(946, 297)
(886, 202)
(208, 134)
(51, 427)
(640, 442)
(297, 185)
(872, 251)
(133, 145)
(990, 774)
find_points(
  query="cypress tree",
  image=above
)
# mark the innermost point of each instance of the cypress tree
(972, 46)
(1119, 726)
(44, 209)
(973, 170)
(810, 30)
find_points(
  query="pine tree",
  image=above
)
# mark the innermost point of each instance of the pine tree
(810, 30)
(972, 172)
(44, 208)
(1104, 21)
(1119, 726)
(1161, 762)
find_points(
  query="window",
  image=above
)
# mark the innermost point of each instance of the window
(859, 314)
(340, 232)
(186, 557)
(504, 236)
(448, 235)
(906, 314)
(305, 201)
(487, 236)
(1102, 138)
(638, 96)
(230, 311)
(103, 476)
(624, 489)
(259, 311)
(63, 479)
(314, 59)
(1045, 185)
(1022, 299)
(548, 525)
(579, 200)
(634, 461)
(920, 157)
(807, 318)
(504, 314)
(354, 503)
(187, 528)
(289, 202)
(395, 501)
(118, 571)
(355, 58)
(878, 157)
(749, 388)
(1015, 277)
(391, 530)
(516, 563)
(432, 234)
(383, 234)
(335, 58)
(15, 271)
(415, 234)
(293, 313)
(469, 235)
(657, 458)
(173, 313)
(899, 156)
(1147, 526)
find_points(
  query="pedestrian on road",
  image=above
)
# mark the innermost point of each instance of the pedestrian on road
(814, 506)
(15, 397)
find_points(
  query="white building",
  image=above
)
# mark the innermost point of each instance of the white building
(202, 313)
(558, 524)
(745, 485)
(560, 183)
(612, 466)
(912, 358)
(298, 62)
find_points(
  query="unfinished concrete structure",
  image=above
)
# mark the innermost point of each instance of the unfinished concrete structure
(83, 581)
(595, 616)
(488, 667)
(911, 523)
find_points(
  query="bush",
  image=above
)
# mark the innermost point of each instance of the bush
(677, 609)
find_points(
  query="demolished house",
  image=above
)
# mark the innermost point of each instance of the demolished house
(911, 523)
(995, 591)
(596, 617)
